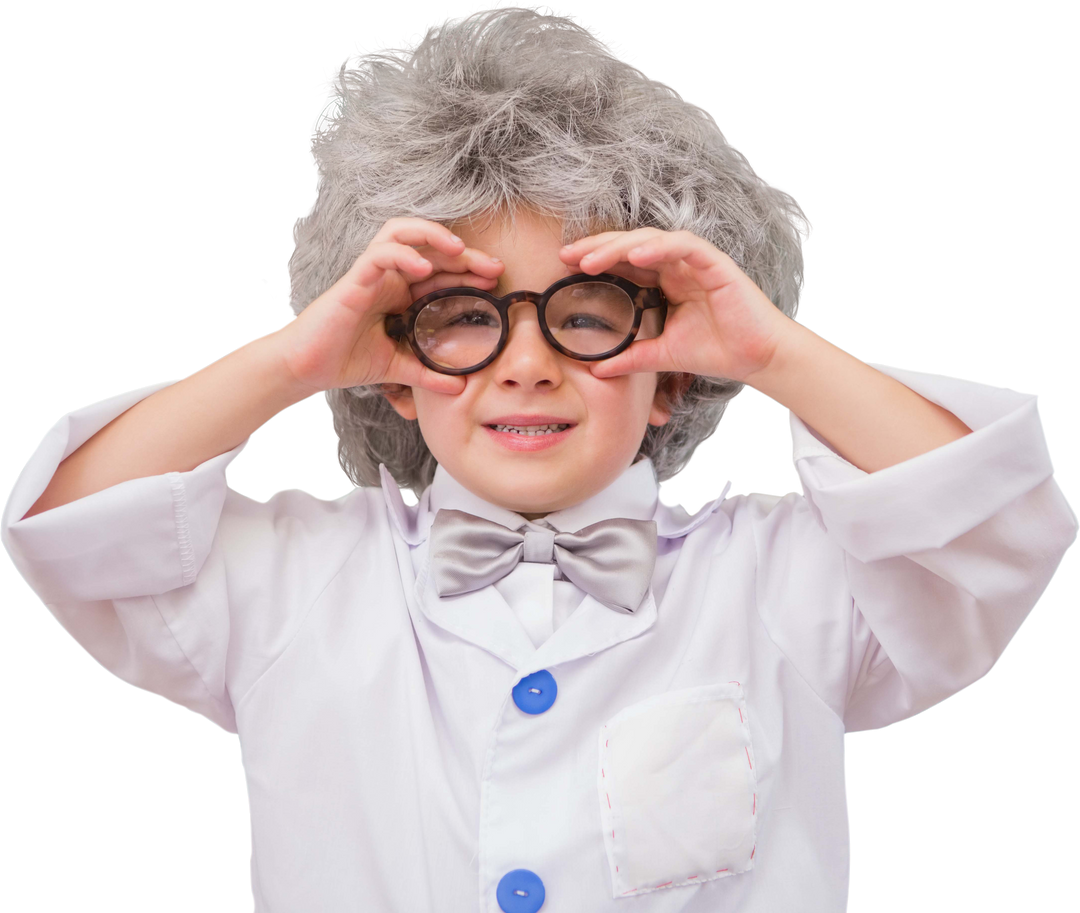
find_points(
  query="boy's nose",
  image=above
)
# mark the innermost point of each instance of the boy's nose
(525, 324)
(525, 337)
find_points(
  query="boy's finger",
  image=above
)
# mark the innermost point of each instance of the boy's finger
(413, 231)
(643, 355)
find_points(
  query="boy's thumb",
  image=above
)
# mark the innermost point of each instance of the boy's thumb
(441, 383)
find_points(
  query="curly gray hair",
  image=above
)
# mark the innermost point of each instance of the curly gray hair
(507, 108)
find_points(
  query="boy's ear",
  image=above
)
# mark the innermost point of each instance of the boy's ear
(669, 390)
(400, 397)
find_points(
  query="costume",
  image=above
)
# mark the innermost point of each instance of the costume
(693, 756)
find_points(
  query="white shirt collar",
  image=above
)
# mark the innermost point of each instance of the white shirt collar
(634, 495)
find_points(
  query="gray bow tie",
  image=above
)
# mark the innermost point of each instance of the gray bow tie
(611, 560)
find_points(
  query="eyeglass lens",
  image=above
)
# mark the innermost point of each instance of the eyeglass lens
(587, 318)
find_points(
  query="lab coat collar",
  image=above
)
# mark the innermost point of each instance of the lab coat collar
(633, 495)
(482, 617)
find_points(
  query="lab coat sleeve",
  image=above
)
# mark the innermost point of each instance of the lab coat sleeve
(174, 582)
(889, 591)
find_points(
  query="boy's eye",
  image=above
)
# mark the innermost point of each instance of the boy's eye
(585, 322)
(473, 319)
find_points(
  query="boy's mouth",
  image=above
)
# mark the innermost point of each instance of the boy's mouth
(531, 429)
(529, 438)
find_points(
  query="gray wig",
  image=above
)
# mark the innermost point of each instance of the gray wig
(509, 108)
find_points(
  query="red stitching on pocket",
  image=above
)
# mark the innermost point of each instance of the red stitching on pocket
(748, 761)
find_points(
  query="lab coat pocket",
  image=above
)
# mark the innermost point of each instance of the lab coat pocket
(678, 789)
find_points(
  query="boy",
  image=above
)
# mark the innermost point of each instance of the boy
(524, 349)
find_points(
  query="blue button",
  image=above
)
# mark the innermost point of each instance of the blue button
(520, 891)
(536, 692)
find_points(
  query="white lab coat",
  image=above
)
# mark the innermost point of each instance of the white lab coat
(693, 757)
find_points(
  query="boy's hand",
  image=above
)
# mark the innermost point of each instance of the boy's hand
(719, 323)
(339, 339)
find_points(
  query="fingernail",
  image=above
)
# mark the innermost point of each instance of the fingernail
(496, 260)
(454, 238)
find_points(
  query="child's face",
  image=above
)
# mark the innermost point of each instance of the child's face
(537, 474)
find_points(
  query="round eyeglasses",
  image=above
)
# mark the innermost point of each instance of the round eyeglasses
(460, 330)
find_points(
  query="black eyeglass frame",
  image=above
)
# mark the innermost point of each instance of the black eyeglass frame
(644, 298)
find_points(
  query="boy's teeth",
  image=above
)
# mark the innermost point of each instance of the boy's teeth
(531, 429)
